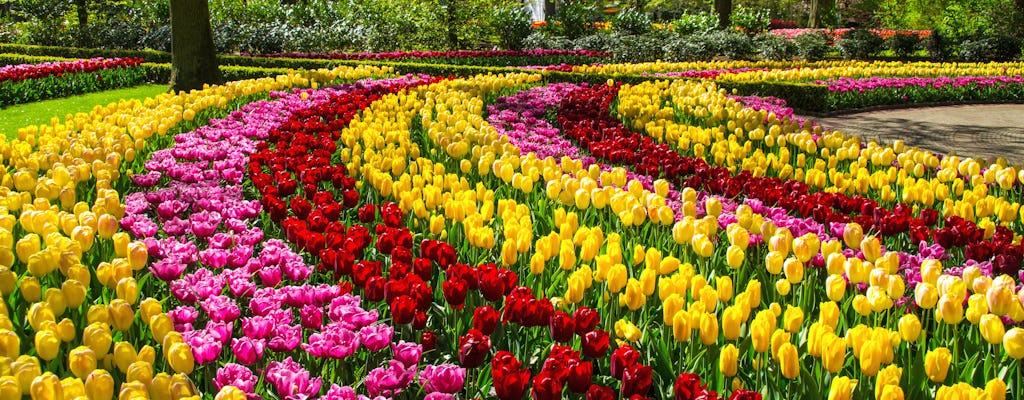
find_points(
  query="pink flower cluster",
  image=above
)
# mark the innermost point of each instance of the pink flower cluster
(232, 288)
(21, 72)
(861, 85)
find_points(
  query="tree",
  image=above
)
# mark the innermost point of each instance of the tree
(819, 11)
(724, 10)
(193, 59)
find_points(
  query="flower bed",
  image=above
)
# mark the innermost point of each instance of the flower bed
(496, 237)
(26, 83)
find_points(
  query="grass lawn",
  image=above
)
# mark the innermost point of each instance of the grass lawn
(21, 115)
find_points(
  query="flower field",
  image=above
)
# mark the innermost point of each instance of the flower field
(25, 83)
(351, 233)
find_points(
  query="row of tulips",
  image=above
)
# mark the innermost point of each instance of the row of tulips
(797, 71)
(73, 285)
(847, 93)
(746, 141)
(465, 57)
(26, 83)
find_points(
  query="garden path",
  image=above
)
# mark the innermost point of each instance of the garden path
(985, 131)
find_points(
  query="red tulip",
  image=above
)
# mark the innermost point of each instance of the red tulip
(485, 319)
(580, 376)
(546, 387)
(595, 343)
(636, 380)
(562, 327)
(403, 309)
(473, 348)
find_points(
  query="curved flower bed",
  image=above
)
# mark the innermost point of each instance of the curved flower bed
(26, 83)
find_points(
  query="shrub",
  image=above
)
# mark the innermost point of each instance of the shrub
(637, 48)
(630, 21)
(811, 46)
(750, 20)
(691, 24)
(991, 48)
(577, 19)
(539, 40)
(939, 46)
(774, 47)
(514, 25)
(686, 49)
(730, 44)
(904, 43)
(599, 41)
(859, 44)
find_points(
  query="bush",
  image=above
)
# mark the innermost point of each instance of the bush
(577, 19)
(730, 44)
(992, 48)
(860, 44)
(630, 21)
(939, 46)
(599, 41)
(774, 47)
(750, 20)
(637, 48)
(514, 25)
(904, 44)
(687, 49)
(695, 24)
(811, 46)
(539, 40)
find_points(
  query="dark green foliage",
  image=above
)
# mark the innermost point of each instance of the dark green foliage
(576, 19)
(904, 44)
(811, 46)
(773, 47)
(860, 44)
(514, 25)
(630, 21)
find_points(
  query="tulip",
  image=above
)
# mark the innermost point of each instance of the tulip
(891, 392)
(136, 390)
(138, 254)
(230, 393)
(106, 226)
(617, 278)
(992, 329)
(853, 235)
(82, 361)
(99, 385)
(1013, 343)
(74, 293)
(9, 387)
(732, 318)
(98, 313)
(870, 357)
(926, 295)
(734, 256)
(996, 389)
(871, 248)
(47, 345)
(97, 337)
(46, 387)
(936, 364)
(727, 360)
(124, 355)
(30, 289)
(708, 329)
(773, 262)
(147, 353)
(835, 287)
(10, 344)
(121, 314)
(793, 319)
(681, 329)
(179, 357)
(160, 387)
(951, 309)
(128, 290)
(910, 327)
(789, 361)
(25, 369)
(841, 388)
(139, 371)
(833, 352)
(782, 287)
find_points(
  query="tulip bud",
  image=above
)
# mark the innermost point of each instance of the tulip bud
(160, 387)
(39, 314)
(128, 290)
(782, 287)
(910, 327)
(124, 355)
(82, 361)
(936, 364)
(926, 295)
(147, 353)
(789, 361)
(992, 329)
(10, 344)
(732, 319)
(708, 329)
(74, 293)
(47, 345)
(853, 234)
(25, 369)
(133, 390)
(181, 386)
(841, 388)
(99, 385)
(139, 371)
(9, 387)
(8, 280)
(97, 337)
(30, 289)
(98, 313)
(951, 309)
(121, 314)
(121, 240)
(996, 389)
(106, 226)
(835, 287)
(727, 360)
(47, 387)
(1013, 343)
(179, 356)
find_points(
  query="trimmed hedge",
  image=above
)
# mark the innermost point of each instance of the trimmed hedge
(54, 86)
(77, 52)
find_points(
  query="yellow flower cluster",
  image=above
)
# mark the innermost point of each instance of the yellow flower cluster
(74, 273)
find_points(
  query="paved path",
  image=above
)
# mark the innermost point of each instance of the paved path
(985, 131)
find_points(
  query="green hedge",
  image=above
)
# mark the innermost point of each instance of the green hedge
(77, 52)
(162, 72)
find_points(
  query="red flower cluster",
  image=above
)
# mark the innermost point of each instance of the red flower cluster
(22, 72)
(584, 117)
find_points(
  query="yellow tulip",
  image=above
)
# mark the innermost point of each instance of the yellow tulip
(835, 287)
(732, 319)
(793, 319)
(734, 256)
(160, 387)
(760, 334)
(992, 329)
(30, 289)
(134, 390)
(871, 248)
(996, 389)
(179, 357)
(121, 314)
(725, 289)
(681, 329)
(951, 309)
(634, 297)
(128, 290)
(230, 393)
(82, 361)
(862, 305)
(727, 360)
(139, 371)
(74, 293)
(779, 337)
(870, 357)
(121, 240)
(627, 330)
(25, 369)
(708, 329)
(617, 278)
(1013, 343)
(828, 314)
(789, 361)
(106, 226)
(782, 287)
(936, 364)
(910, 327)
(833, 352)
(891, 392)
(853, 234)
(773, 262)
(47, 345)
(99, 385)
(98, 337)
(10, 344)
(47, 387)
(181, 386)
(841, 388)
(926, 295)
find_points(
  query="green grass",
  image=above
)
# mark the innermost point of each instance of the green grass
(22, 115)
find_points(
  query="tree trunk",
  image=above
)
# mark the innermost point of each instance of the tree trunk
(724, 10)
(452, 26)
(1019, 7)
(193, 59)
(82, 7)
(812, 19)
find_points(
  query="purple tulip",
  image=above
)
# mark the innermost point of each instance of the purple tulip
(247, 351)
